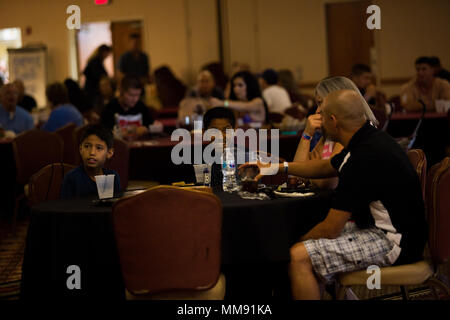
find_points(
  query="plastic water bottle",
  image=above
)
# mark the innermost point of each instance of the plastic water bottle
(229, 172)
(206, 177)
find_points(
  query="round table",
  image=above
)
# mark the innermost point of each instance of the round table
(77, 232)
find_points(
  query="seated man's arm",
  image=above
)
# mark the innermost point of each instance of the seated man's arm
(329, 228)
(312, 169)
(304, 169)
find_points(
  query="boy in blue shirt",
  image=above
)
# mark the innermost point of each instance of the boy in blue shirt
(95, 148)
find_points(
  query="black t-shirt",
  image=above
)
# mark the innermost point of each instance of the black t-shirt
(379, 186)
(77, 183)
(94, 71)
(108, 115)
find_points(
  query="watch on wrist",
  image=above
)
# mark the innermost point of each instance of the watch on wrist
(286, 167)
(306, 137)
(226, 104)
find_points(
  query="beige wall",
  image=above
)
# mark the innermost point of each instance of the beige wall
(180, 33)
(292, 34)
(264, 33)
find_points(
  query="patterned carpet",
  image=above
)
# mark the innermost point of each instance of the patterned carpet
(12, 249)
(11, 256)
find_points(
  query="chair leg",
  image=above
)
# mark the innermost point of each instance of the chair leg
(15, 215)
(439, 287)
(341, 292)
(405, 294)
(350, 295)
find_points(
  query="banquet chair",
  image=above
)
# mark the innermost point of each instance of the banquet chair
(423, 272)
(119, 161)
(33, 150)
(419, 162)
(168, 240)
(70, 150)
(77, 133)
(46, 183)
(395, 103)
(406, 143)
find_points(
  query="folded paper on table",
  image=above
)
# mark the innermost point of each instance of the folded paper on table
(293, 194)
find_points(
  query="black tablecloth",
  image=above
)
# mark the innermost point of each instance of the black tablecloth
(76, 232)
(7, 179)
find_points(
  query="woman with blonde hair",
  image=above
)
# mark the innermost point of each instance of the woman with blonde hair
(325, 148)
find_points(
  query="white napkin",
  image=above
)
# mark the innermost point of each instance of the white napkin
(293, 194)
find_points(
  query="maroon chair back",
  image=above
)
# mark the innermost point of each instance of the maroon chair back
(70, 151)
(438, 211)
(119, 161)
(78, 132)
(168, 239)
(46, 183)
(33, 150)
(396, 103)
(419, 162)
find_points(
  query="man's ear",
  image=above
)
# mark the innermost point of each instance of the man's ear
(334, 120)
(110, 153)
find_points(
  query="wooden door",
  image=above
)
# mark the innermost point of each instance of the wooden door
(121, 32)
(349, 40)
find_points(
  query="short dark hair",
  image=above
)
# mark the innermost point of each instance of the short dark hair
(57, 93)
(218, 113)
(270, 76)
(101, 132)
(359, 68)
(130, 82)
(435, 61)
(423, 60)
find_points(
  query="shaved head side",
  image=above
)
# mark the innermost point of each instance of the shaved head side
(348, 108)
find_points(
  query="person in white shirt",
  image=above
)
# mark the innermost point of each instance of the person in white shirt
(276, 97)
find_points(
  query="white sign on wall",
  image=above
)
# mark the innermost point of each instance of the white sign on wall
(30, 66)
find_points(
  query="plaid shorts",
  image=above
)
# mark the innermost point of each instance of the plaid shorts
(354, 249)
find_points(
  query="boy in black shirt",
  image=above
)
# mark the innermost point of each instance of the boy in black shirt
(95, 148)
(128, 109)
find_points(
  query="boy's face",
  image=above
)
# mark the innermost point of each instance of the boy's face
(221, 124)
(94, 152)
(130, 97)
(363, 80)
